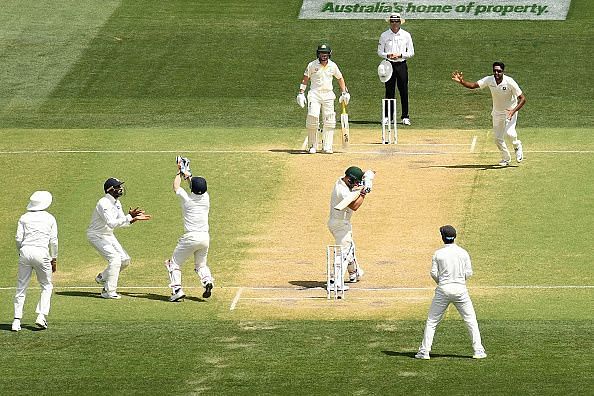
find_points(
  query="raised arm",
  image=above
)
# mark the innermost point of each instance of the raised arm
(458, 76)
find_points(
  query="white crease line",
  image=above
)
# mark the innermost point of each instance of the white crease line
(236, 299)
(473, 144)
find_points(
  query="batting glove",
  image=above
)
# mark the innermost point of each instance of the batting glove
(345, 98)
(301, 100)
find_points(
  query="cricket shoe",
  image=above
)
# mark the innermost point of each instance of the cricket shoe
(16, 325)
(177, 296)
(110, 295)
(356, 276)
(480, 354)
(207, 290)
(519, 153)
(312, 150)
(99, 279)
(504, 163)
(406, 121)
(41, 322)
(422, 355)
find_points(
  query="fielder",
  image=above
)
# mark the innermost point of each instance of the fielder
(339, 221)
(321, 98)
(508, 99)
(450, 269)
(196, 238)
(37, 243)
(107, 216)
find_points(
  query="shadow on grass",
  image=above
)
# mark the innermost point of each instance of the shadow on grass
(91, 294)
(472, 166)
(8, 327)
(308, 284)
(289, 151)
(433, 355)
(159, 297)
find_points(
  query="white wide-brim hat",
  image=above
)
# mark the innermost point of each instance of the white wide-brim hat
(395, 16)
(40, 200)
(384, 71)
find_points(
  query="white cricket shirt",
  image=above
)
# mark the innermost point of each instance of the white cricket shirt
(195, 210)
(340, 191)
(320, 77)
(451, 264)
(396, 43)
(39, 229)
(108, 214)
(505, 95)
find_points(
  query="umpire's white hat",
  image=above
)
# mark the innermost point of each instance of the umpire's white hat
(395, 16)
(384, 71)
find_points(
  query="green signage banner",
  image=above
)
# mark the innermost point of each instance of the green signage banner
(437, 9)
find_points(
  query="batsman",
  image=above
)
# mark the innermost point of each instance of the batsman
(320, 98)
(347, 197)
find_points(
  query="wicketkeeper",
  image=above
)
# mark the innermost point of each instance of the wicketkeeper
(320, 98)
(196, 239)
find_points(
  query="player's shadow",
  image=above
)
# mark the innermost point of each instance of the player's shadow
(8, 327)
(433, 355)
(472, 166)
(289, 151)
(70, 293)
(309, 284)
(158, 297)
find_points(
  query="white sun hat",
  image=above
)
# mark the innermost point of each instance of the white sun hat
(40, 200)
(395, 17)
(384, 71)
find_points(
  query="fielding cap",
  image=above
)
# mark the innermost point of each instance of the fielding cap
(448, 232)
(355, 172)
(110, 183)
(198, 185)
(40, 200)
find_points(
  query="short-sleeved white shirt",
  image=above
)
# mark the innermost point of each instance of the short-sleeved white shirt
(340, 191)
(505, 95)
(320, 77)
(195, 210)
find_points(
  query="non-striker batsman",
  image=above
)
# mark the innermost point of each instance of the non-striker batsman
(320, 98)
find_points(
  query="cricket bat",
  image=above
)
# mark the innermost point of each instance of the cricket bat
(348, 199)
(344, 123)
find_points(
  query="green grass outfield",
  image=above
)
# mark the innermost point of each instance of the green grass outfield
(92, 90)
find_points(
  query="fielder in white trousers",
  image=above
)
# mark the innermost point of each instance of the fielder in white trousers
(37, 242)
(450, 269)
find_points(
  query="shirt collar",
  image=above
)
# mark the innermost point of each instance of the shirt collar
(111, 198)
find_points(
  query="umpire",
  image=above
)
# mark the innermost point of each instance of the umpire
(395, 45)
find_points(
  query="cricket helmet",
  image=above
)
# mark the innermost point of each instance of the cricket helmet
(355, 174)
(324, 49)
(198, 185)
(113, 187)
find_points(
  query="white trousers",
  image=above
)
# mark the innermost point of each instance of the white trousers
(320, 105)
(342, 230)
(445, 295)
(31, 259)
(192, 244)
(502, 128)
(117, 258)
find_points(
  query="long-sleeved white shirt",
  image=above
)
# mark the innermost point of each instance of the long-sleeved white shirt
(108, 214)
(38, 228)
(451, 264)
(195, 210)
(396, 43)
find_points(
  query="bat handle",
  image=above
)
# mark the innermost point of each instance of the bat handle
(343, 108)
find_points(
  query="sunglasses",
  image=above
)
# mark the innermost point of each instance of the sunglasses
(395, 21)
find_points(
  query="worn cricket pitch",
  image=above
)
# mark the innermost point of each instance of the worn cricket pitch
(420, 184)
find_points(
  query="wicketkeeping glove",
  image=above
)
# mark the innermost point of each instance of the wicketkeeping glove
(183, 164)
